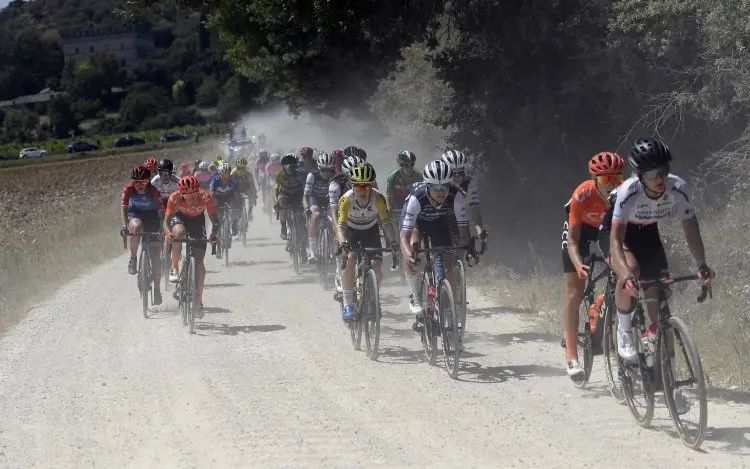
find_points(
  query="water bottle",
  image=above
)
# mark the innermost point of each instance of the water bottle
(431, 293)
(648, 341)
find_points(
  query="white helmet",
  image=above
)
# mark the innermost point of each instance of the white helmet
(456, 159)
(325, 161)
(350, 162)
(203, 166)
(224, 168)
(437, 172)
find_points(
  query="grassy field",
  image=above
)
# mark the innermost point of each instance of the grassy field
(55, 146)
(57, 221)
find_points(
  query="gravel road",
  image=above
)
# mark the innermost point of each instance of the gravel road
(271, 380)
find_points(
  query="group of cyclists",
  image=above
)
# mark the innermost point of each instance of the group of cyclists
(619, 216)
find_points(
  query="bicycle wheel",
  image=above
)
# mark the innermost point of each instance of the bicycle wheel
(355, 328)
(460, 304)
(323, 257)
(144, 284)
(638, 386)
(191, 297)
(294, 244)
(166, 264)
(185, 291)
(583, 343)
(692, 431)
(610, 354)
(430, 327)
(243, 225)
(448, 327)
(371, 314)
(227, 235)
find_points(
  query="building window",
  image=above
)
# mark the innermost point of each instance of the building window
(91, 48)
(77, 50)
(123, 63)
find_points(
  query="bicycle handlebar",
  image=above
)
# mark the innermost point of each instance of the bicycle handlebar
(706, 290)
(145, 233)
(197, 240)
(394, 262)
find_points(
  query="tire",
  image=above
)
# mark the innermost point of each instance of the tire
(243, 225)
(182, 286)
(166, 264)
(371, 314)
(638, 387)
(448, 327)
(191, 297)
(583, 343)
(144, 283)
(611, 359)
(355, 328)
(226, 238)
(429, 334)
(324, 255)
(460, 300)
(683, 340)
(294, 243)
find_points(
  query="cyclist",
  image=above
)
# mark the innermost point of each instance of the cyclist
(435, 207)
(203, 175)
(165, 181)
(457, 160)
(225, 193)
(185, 215)
(633, 241)
(340, 185)
(141, 210)
(151, 164)
(288, 188)
(218, 160)
(360, 209)
(260, 163)
(315, 199)
(184, 171)
(338, 158)
(307, 162)
(586, 209)
(245, 185)
(398, 183)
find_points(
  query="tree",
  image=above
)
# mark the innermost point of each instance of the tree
(61, 116)
(208, 93)
(19, 125)
(178, 93)
(138, 106)
(93, 77)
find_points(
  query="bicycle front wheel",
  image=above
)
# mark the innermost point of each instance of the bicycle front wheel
(448, 327)
(166, 264)
(430, 327)
(610, 354)
(294, 245)
(678, 348)
(144, 282)
(227, 238)
(323, 257)
(583, 344)
(371, 314)
(638, 385)
(191, 297)
(460, 304)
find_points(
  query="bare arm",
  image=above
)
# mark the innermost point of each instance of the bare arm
(574, 251)
(694, 240)
(616, 242)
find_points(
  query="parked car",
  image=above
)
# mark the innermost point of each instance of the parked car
(173, 136)
(32, 153)
(81, 145)
(129, 141)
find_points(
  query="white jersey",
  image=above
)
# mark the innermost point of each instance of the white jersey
(632, 205)
(165, 189)
(419, 207)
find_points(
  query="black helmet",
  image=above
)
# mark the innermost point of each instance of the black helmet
(351, 150)
(165, 165)
(289, 159)
(361, 153)
(649, 153)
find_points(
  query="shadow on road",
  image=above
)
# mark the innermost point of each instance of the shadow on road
(215, 310)
(735, 440)
(226, 329)
(473, 372)
(729, 395)
(252, 263)
(397, 355)
(258, 239)
(514, 338)
(217, 285)
(163, 313)
(292, 281)
(264, 245)
(495, 310)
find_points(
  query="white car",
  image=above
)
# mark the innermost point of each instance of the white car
(32, 153)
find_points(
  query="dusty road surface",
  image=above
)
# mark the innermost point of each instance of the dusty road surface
(271, 380)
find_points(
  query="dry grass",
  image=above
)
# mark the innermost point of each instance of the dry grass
(58, 221)
(721, 326)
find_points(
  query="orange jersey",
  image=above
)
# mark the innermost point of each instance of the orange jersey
(586, 207)
(202, 202)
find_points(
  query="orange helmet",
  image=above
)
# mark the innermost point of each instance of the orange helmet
(150, 163)
(188, 184)
(606, 162)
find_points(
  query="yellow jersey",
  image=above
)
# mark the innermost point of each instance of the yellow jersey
(362, 217)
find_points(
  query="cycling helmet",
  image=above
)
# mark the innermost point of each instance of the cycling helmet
(363, 173)
(140, 172)
(338, 156)
(437, 172)
(361, 153)
(263, 153)
(203, 166)
(306, 152)
(150, 163)
(606, 163)
(349, 163)
(289, 159)
(456, 159)
(165, 165)
(649, 153)
(212, 168)
(188, 184)
(241, 162)
(406, 157)
(224, 168)
(351, 150)
(325, 161)
(275, 158)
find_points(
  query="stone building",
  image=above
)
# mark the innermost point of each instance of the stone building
(128, 45)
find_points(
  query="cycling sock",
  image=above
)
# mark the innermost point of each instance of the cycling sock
(313, 243)
(625, 321)
(348, 297)
(413, 283)
(571, 351)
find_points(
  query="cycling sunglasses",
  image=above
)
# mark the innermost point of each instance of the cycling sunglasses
(459, 173)
(407, 165)
(652, 174)
(438, 187)
(361, 187)
(605, 179)
(140, 182)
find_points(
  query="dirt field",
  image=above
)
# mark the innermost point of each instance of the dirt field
(59, 220)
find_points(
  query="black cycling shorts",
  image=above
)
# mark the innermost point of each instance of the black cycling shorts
(589, 235)
(370, 238)
(441, 231)
(150, 220)
(644, 242)
(195, 227)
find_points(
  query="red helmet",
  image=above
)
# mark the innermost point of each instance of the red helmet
(306, 152)
(150, 163)
(184, 166)
(139, 173)
(188, 184)
(606, 163)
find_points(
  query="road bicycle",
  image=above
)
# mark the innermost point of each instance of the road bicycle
(672, 337)
(225, 234)
(185, 293)
(326, 260)
(244, 222)
(144, 276)
(367, 312)
(294, 244)
(460, 293)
